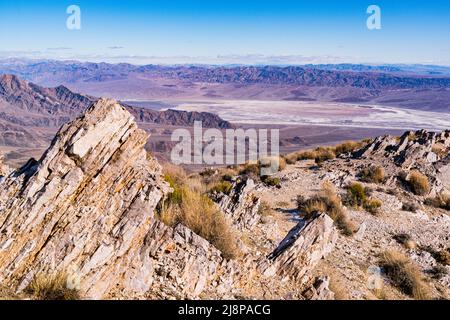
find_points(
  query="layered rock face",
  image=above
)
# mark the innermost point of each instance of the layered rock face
(241, 205)
(86, 206)
(300, 251)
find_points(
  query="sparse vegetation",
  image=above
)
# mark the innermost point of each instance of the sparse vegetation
(348, 146)
(406, 240)
(443, 257)
(188, 206)
(222, 187)
(329, 202)
(419, 183)
(359, 197)
(264, 209)
(373, 174)
(405, 275)
(442, 200)
(372, 205)
(410, 206)
(271, 181)
(438, 272)
(322, 154)
(356, 195)
(51, 287)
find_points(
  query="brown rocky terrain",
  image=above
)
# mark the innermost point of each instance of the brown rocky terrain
(26, 109)
(94, 212)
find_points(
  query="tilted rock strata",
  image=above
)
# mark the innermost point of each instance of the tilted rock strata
(86, 206)
(304, 246)
(241, 205)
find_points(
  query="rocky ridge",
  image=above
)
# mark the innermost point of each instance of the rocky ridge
(87, 208)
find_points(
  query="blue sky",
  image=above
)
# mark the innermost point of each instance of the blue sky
(282, 31)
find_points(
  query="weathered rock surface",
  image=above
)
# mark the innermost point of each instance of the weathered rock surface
(304, 246)
(241, 205)
(86, 206)
(319, 290)
(4, 169)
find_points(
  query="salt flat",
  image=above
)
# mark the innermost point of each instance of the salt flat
(315, 113)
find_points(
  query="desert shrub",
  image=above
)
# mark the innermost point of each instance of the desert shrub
(282, 164)
(271, 181)
(372, 205)
(264, 209)
(222, 187)
(442, 200)
(319, 155)
(419, 183)
(443, 256)
(306, 155)
(324, 153)
(51, 287)
(356, 195)
(405, 275)
(208, 172)
(406, 240)
(291, 158)
(329, 202)
(227, 177)
(373, 174)
(197, 212)
(190, 207)
(346, 147)
(311, 205)
(251, 170)
(438, 272)
(410, 206)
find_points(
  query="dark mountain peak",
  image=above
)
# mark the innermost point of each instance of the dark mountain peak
(52, 107)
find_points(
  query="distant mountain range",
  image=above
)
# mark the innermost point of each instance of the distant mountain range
(408, 86)
(29, 113)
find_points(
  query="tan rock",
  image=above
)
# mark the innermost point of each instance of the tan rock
(86, 206)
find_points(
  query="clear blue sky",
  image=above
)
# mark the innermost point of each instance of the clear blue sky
(313, 30)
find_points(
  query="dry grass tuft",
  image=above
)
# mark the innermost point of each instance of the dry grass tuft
(356, 195)
(442, 200)
(373, 205)
(419, 183)
(346, 147)
(373, 174)
(405, 275)
(322, 154)
(264, 209)
(51, 287)
(443, 257)
(329, 202)
(222, 187)
(192, 208)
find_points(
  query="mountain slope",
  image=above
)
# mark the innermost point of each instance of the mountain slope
(25, 107)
